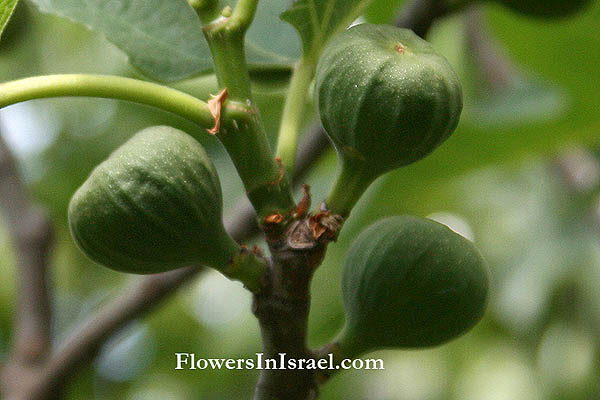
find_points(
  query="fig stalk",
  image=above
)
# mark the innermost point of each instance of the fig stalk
(352, 181)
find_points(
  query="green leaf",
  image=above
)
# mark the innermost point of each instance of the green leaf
(6, 9)
(164, 40)
(271, 41)
(318, 20)
(161, 38)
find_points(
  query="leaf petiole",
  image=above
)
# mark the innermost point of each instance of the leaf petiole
(112, 87)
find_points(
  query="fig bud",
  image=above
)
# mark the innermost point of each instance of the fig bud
(410, 282)
(154, 205)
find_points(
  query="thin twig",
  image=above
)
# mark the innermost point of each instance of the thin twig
(31, 233)
(137, 300)
(495, 68)
(419, 15)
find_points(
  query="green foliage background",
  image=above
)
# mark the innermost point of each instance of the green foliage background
(496, 175)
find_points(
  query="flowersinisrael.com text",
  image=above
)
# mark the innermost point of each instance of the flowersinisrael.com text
(189, 361)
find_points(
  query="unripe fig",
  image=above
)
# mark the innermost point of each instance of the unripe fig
(385, 96)
(546, 8)
(386, 99)
(410, 282)
(154, 205)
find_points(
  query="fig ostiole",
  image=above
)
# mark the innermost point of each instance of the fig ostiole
(386, 99)
(154, 205)
(410, 282)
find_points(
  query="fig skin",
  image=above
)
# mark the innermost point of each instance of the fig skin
(386, 98)
(154, 205)
(410, 282)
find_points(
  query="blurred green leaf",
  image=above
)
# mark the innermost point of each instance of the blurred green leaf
(162, 39)
(524, 100)
(383, 12)
(6, 9)
(271, 42)
(318, 20)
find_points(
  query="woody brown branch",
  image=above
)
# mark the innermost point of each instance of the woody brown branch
(282, 309)
(31, 234)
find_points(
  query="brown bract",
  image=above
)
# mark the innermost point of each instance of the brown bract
(325, 225)
(215, 106)
(304, 204)
(275, 218)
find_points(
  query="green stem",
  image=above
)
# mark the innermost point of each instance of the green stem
(352, 181)
(229, 59)
(267, 189)
(247, 267)
(243, 14)
(293, 114)
(207, 10)
(225, 36)
(249, 150)
(112, 87)
(236, 262)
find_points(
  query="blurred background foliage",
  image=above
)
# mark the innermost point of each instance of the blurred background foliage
(520, 177)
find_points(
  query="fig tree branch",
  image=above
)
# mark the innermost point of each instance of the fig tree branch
(241, 131)
(282, 311)
(495, 68)
(31, 234)
(83, 345)
(312, 147)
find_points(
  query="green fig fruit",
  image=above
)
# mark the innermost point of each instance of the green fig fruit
(410, 282)
(546, 8)
(386, 99)
(385, 96)
(154, 205)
